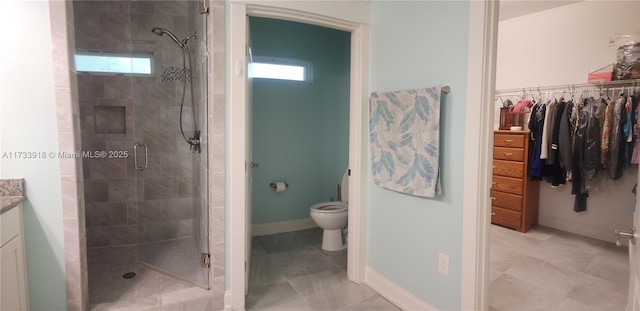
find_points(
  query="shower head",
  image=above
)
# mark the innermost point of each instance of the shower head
(161, 31)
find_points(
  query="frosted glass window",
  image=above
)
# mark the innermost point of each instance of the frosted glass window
(280, 69)
(104, 62)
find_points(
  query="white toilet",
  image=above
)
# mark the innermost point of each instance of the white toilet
(332, 217)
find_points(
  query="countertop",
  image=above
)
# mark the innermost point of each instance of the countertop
(11, 193)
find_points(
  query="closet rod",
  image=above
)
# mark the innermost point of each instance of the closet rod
(569, 87)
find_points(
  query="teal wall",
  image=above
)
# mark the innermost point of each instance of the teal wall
(28, 123)
(300, 129)
(420, 44)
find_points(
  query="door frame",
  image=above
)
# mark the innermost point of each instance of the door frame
(336, 17)
(476, 219)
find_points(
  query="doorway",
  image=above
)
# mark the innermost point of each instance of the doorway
(575, 246)
(239, 112)
(300, 131)
(300, 125)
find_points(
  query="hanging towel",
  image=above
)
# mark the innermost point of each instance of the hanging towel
(404, 130)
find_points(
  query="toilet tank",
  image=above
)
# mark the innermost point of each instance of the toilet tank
(344, 187)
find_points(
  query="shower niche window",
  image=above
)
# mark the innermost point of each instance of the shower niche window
(114, 62)
(110, 120)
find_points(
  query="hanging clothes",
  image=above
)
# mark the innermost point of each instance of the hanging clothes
(557, 173)
(592, 136)
(536, 123)
(544, 151)
(578, 187)
(565, 138)
(606, 133)
(628, 128)
(617, 139)
(635, 156)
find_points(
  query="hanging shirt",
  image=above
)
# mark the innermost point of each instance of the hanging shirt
(544, 151)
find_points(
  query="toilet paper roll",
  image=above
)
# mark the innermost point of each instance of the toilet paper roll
(280, 186)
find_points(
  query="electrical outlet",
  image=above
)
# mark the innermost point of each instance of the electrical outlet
(443, 263)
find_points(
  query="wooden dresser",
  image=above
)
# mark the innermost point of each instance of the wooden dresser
(514, 199)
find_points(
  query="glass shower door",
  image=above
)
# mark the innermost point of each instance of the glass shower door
(171, 162)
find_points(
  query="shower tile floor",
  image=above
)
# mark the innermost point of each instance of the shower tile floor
(289, 271)
(548, 269)
(148, 290)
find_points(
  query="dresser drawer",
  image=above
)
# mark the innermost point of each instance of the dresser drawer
(507, 200)
(510, 154)
(507, 184)
(509, 140)
(505, 217)
(508, 168)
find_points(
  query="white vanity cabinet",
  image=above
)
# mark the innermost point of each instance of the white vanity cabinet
(13, 277)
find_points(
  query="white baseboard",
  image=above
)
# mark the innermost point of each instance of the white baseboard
(280, 227)
(394, 293)
(577, 228)
(227, 300)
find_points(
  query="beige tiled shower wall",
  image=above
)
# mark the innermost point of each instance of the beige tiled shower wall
(72, 189)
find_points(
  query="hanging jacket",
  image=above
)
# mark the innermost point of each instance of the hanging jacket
(592, 137)
(578, 186)
(564, 138)
(617, 139)
(536, 123)
(553, 112)
(606, 133)
(556, 172)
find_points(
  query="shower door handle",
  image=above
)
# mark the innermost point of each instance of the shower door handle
(135, 157)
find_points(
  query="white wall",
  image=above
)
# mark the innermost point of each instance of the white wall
(558, 47)
(29, 124)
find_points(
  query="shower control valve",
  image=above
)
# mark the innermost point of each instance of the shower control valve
(194, 142)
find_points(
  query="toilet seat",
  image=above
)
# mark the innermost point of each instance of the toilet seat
(329, 207)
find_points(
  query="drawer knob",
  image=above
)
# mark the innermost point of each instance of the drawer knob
(493, 198)
(508, 141)
(493, 182)
(493, 214)
(507, 154)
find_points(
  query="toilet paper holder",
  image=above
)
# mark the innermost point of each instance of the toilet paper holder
(273, 185)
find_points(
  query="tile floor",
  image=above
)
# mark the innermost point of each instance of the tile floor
(548, 269)
(543, 269)
(289, 271)
(149, 290)
(178, 256)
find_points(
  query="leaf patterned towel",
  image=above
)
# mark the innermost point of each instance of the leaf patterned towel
(404, 131)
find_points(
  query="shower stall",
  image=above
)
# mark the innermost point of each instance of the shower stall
(146, 193)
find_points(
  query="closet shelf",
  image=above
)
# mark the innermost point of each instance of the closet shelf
(570, 87)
